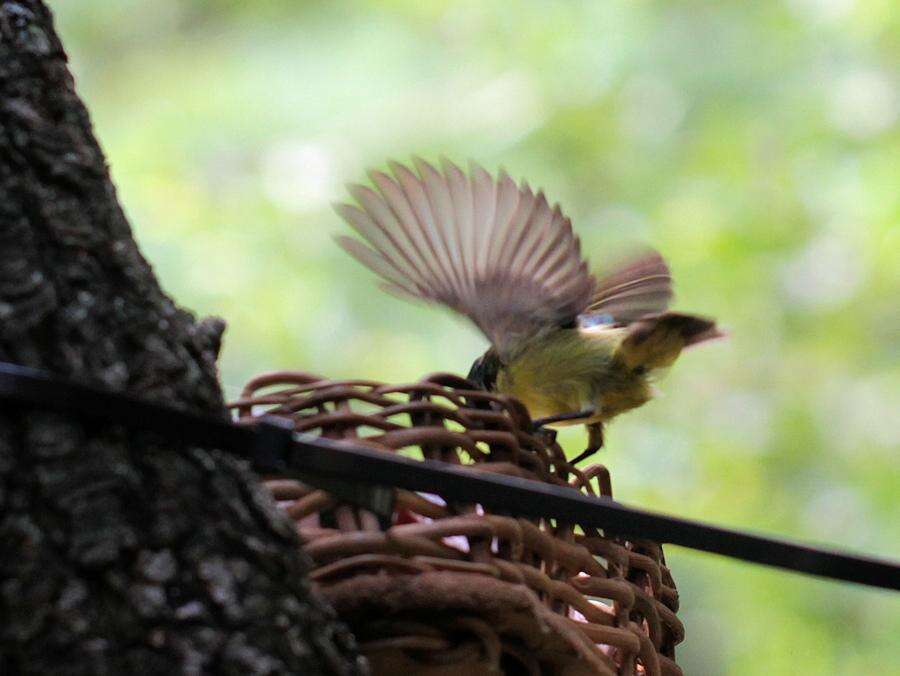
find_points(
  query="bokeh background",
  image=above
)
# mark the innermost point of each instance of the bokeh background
(756, 144)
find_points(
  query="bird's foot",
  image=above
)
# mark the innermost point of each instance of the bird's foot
(547, 435)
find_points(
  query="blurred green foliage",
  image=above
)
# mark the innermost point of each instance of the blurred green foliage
(755, 144)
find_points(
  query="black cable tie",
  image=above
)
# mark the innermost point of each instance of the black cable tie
(271, 444)
(273, 451)
(368, 477)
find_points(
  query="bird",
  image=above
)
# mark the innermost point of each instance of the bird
(573, 347)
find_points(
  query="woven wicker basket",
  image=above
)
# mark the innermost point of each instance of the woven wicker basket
(453, 589)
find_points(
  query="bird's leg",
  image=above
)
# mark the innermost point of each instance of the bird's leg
(577, 415)
(549, 434)
(595, 442)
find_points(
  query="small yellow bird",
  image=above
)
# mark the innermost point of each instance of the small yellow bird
(573, 349)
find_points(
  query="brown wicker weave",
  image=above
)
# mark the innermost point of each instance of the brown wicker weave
(453, 589)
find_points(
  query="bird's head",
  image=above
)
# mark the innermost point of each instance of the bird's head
(484, 370)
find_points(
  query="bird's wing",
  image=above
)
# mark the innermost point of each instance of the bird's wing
(639, 287)
(496, 252)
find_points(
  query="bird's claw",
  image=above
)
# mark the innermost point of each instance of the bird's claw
(547, 434)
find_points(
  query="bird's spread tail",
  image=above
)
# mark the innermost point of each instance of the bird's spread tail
(656, 341)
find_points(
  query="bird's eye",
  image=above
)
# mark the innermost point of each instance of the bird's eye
(639, 370)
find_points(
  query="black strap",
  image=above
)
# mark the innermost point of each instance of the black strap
(272, 448)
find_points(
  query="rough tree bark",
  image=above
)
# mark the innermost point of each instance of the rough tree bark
(120, 553)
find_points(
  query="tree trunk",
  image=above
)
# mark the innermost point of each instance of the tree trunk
(120, 552)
